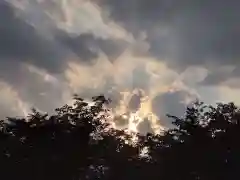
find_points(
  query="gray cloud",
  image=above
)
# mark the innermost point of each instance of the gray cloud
(140, 78)
(169, 103)
(36, 40)
(137, 15)
(87, 47)
(135, 102)
(38, 92)
(145, 127)
(21, 42)
(198, 32)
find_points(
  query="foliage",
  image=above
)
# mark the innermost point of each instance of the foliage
(79, 143)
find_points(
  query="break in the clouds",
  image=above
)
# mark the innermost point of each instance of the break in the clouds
(151, 57)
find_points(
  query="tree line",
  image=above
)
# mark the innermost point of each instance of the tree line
(77, 142)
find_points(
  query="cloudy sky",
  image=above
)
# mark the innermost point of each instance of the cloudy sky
(151, 57)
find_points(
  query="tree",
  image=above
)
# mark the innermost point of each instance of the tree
(204, 144)
(76, 142)
(79, 143)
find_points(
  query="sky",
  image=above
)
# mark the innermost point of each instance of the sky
(151, 57)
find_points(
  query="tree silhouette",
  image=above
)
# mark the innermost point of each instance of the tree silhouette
(76, 142)
(79, 143)
(204, 144)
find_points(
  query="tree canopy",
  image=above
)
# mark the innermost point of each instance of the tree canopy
(77, 142)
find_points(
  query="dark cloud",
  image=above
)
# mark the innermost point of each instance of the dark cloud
(87, 47)
(217, 77)
(29, 40)
(20, 42)
(169, 103)
(188, 32)
(138, 15)
(113, 48)
(223, 76)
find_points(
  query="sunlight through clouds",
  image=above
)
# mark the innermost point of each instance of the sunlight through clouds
(145, 61)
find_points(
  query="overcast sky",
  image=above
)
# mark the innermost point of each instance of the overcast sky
(157, 55)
